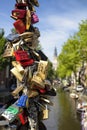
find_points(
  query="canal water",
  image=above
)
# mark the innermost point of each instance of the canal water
(63, 114)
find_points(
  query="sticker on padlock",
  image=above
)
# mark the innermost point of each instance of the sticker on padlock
(11, 112)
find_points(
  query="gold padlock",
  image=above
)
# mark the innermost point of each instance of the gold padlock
(18, 66)
(17, 74)
(42, 69)
(36, 80)
(17, 90)
(45, 113)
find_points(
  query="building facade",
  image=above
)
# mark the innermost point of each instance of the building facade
(55, 62)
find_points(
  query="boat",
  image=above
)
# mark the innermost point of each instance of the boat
(84, 120)
(82, 107)
(74, 95)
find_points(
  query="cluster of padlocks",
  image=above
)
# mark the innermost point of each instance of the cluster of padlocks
(29, 66)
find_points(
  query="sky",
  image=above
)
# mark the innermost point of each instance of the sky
(58, 20)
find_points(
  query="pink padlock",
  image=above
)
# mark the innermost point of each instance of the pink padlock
(34, 18)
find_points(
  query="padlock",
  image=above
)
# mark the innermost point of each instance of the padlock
(13, 37)
(23, 118)
(32, 93)
(45, 100)
(17, 90)
(45, 113)
(26, 35)
(22, 101)
(20, 5)
(21, 1)
(19, 26)
(19, 13)
(11, 112)
(42, 69)
(42, 55)
(18, 66)
(8, 51)
(28, 18)
(37, 81)
(35, 2)
(34, 18)
(17, 74)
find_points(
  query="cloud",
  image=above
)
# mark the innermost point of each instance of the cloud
(56, 31)
(50, 39)
(61, 23)
(57, 28)
(58, 20)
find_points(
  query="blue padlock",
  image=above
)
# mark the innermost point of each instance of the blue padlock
(22, 101)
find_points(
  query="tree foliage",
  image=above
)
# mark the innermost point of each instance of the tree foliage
(3, 61)
(50, 71)
(74, 52)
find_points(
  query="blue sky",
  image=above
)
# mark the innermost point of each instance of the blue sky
(57, 21)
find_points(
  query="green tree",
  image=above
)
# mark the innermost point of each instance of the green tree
(82, 37)
(74, 52)
(50, 71)
(3, 61)
(69, 58)
(1, 32)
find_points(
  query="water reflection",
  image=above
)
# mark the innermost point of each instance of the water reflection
(63, 114)
(52, 122)
(67, 118)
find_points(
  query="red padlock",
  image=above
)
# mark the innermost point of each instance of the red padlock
(23, 118)
(19, 13)
(19, 26)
